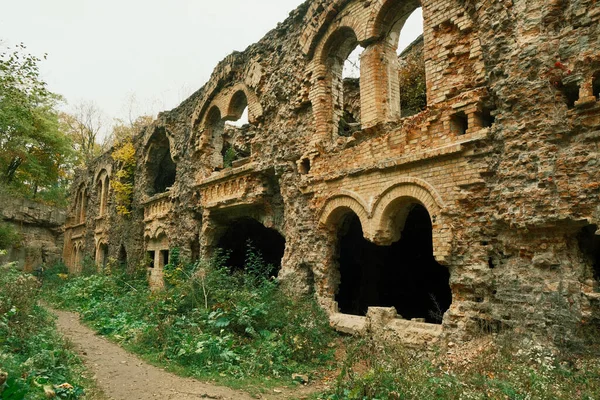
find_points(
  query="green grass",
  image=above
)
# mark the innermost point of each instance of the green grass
(33, 355)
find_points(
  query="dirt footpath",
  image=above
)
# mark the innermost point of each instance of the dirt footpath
(123, 376)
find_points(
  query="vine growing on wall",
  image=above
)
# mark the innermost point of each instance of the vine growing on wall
(124, 154)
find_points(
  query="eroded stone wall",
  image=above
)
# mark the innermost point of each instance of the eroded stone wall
(39, 228)
(503, 159)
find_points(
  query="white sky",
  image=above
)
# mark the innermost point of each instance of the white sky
(158, 51)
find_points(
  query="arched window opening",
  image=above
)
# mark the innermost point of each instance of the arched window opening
(589, 244)
(102, 193)
(342, 60)
(247, 236)
(160, 167)
(102, 256)
(237, 133)
(214, 131)
(404, 275)
(82, 211)
(411, 31)
(99, 193)
(596, 85)
(122, 257)
(411, 61)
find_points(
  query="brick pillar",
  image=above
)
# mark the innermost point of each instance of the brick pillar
(379, 87)
(320, 98)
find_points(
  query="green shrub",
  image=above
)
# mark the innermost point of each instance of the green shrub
(8, 236)
(33, 355)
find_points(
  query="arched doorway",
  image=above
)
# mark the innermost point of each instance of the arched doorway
(404, 275)
(244, 232)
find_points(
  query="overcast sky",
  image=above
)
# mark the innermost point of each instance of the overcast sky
(159, 51)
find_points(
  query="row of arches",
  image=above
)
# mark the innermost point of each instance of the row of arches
(82, 195)
(388, 261)
(225, 124)
(224, 132)
(371, 44)
(403, 273)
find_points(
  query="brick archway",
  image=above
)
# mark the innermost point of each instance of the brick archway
(339, 205)
(392, 207)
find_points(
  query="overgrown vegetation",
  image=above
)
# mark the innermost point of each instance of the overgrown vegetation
(35, 363)
(209, 322)
(240, 329)
(411, 75)
(486, 368)
(122, 186)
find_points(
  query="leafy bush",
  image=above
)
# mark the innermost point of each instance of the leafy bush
(34, 357)
(480, 370)
(209, 321)
(8, 236)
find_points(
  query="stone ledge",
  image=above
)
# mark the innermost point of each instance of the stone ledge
(453, 148)
(226, 174)
(384, 323)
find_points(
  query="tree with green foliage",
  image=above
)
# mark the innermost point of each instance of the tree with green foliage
(34, 154)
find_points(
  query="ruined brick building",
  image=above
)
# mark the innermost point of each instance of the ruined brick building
(479, 211)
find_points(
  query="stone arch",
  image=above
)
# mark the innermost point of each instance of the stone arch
(80, 210)
(336, 35)
(77, 257)
(101, 255)
(312, 42)
(225, 100)
(392, 207)
(327, 95)
(160, 169)
(212, 136)
(386, 21)
(390, 15)
(339, 205)
(155, 233)
(102, 184)
(255, 109)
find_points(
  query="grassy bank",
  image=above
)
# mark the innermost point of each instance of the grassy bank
(241, 330)
(486, 368)
(238, 329)
(35, 362)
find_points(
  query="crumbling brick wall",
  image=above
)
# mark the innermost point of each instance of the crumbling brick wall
(503, 158)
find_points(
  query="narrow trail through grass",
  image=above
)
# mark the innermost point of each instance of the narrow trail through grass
(121, 375)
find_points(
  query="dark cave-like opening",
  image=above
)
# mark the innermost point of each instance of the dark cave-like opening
(165, 175)
(589, 243)
(122, 256)
(404, 275)
(244, 231)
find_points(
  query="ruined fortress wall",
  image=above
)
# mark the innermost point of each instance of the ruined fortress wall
(39, 228)
(503, 159)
